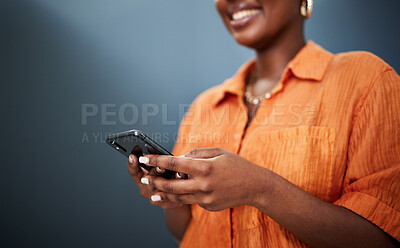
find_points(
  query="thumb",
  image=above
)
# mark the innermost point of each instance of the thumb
(210, 152)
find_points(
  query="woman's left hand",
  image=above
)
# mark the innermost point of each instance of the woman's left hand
(218, 179)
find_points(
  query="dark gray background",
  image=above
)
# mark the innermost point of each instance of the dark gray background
(60, 189)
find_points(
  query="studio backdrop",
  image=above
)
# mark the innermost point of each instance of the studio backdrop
(73, 71)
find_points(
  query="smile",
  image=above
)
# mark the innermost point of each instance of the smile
(240, 18)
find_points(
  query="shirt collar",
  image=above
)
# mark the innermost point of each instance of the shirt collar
(310, 63)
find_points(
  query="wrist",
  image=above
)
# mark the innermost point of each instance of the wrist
(263, 188)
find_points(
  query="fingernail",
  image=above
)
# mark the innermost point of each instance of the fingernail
(143, 160)
(131, 159)
(155, 198)
(182, 156)
(144, 180)
(159, 170)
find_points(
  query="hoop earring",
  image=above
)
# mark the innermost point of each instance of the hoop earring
(306, 8)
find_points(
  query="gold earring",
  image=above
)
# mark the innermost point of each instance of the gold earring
(306, 8)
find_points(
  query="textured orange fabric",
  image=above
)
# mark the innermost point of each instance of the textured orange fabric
(331, 127)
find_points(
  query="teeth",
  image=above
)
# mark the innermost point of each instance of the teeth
(244, 13)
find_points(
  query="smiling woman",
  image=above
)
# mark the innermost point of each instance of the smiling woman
(312, 154)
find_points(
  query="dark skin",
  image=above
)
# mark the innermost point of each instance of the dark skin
(178, 214)
(220, 179)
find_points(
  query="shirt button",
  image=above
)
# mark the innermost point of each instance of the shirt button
(267, 96)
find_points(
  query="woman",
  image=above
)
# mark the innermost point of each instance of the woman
(314, 161)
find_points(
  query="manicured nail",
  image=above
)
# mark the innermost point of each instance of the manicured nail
(144, 180)
(155, 198)
(143, 160)
(159, 170)
(131, 159)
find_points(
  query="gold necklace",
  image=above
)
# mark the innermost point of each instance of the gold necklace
(254, 99)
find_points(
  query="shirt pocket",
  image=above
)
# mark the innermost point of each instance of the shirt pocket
(303, 155)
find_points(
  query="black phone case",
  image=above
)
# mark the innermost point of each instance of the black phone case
(137, 143)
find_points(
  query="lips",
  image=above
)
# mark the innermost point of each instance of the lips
(243, 14)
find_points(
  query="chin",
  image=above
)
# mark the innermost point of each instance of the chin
(252, 38)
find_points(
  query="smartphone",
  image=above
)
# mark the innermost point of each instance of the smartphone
(137, 143)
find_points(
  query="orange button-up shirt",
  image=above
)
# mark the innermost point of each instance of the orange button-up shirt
(331, 127)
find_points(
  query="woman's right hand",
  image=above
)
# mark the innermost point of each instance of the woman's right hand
(147, 191)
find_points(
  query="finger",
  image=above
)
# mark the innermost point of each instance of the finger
(165, 197)
(165, 204)
(133, 161)
(133, 169)
(180, 175)
(178, 164)
(156, 200)
(160, 170)
(209, 152)
(152, 150)
(152, 172)
(147, 191)
(145, 172)
(175, 186)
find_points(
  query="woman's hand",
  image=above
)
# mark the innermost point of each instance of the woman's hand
(147, 191)
(218, 179)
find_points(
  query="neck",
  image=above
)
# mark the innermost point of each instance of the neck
(272, 60)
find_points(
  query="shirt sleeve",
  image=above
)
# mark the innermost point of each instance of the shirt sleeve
(372, 181)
